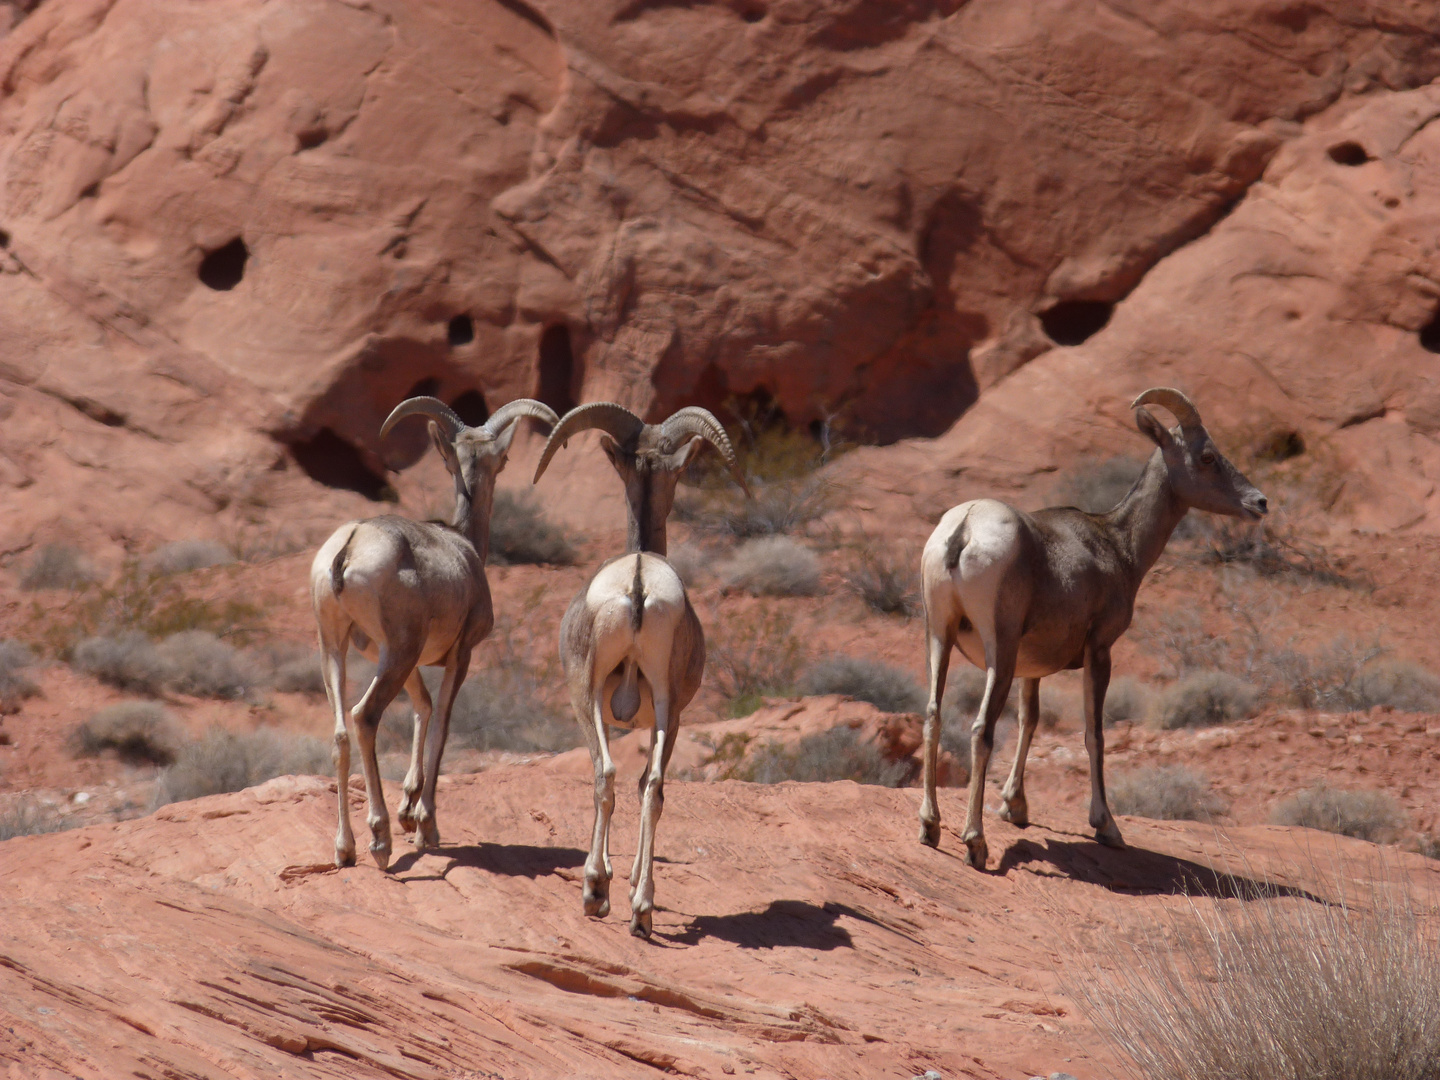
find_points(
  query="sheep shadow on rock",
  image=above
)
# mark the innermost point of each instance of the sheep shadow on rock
(1135, 871)
(792, 924)
(507, 860)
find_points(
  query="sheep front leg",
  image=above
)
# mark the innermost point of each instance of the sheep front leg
(1097, 681)
(642, 877)
(999, 670)
(938, 663)
(598, 871)
(427, 834)
(415, 777)
(1013, 806)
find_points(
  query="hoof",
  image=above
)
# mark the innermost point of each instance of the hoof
(930, 833)
(405, 818)
(1109, 835)
(1016, 811)
(597, 907)
(977, 852)
(641, 923)
(344, 857)
(427, 835)
(380, 852)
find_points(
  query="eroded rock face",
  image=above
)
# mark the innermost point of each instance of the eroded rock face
(232, 224)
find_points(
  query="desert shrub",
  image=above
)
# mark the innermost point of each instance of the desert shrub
(753, 659)
(58, 566)
(1126, 699)
(295, 670)
(1398, 684)
(886, 580)
(690, 562)
(15, 685)
(1206, 697)
(1365, 815)
(184, 556)
(837, 754)
(199, 663)
(888, 688)
(1267, 988)
(1428, 844)
(521, 533)
(1266, 548)
(1097, 486)
(128, 661)
(773, 566)
(777, 507)
(505, 707)
(1172, 793)
(228, 761)
(139, 731)
(27, 817)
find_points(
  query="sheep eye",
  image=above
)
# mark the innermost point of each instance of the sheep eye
(1207, 457)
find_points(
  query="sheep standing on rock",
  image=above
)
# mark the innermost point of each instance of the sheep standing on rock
(408, 593)
(631, 646)
(1032, 594)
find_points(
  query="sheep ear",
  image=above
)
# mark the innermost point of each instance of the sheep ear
(503, 440)
(612, 450)
(445, 447)
(1152, 428)
(686, 454)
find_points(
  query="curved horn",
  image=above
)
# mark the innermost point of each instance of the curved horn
(1167, 397)
(508, 413)
(434, 408)
(694, 420)
(615, 420)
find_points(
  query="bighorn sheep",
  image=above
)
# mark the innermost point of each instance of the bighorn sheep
(631, 645)
(409, 593)
(1032, 594)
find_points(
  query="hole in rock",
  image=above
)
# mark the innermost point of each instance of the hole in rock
(311, 137)
(1071, 322)
(752, 13)
(4, 238)
(427, 387)
(1348, 153)
(330, 460)
(1430, 335)
(557, 369)
(460, 331)
(471, 407)
(1281, 446)
(223, 268)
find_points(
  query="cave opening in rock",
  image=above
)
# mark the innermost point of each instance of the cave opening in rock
(1430, 335)
(557, 369)
(1072, 322)
(1348, 153)
(426, 387)
(330, 460)
(460, 331)
(224, 268)
(1281, 445)
(471, 407)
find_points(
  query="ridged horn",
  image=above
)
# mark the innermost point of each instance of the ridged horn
(615, 420)
(694, 420)
(434, 408)
(508, 413)
(1167, 397)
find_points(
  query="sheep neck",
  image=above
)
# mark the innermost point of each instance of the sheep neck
(1147, 516)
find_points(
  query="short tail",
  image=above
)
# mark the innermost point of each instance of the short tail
(637, 597)
(956, 544)
(337, 565)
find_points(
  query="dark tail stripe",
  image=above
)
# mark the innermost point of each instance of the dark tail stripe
(337, 567)
(637, 598)
(956, 544)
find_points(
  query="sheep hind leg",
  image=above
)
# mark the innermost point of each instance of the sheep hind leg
(598, 871)
(1013, 805)
(333, 673)
(642, 884)
(457, 664)
(390, 676)
(938, 662)
(415, 777)
(999, 670)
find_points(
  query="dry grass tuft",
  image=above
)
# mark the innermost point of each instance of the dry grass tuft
(1126, 700)
(27, 817)
(199, 663)
(58, 566)
(888, 688)
(1365, 815)
(521, 533)
(186, 556)
(1277, 988)
(506, 707)
(837, 754)
(224, 761)
(294, 669)
(15, 685)
(1165, 793)
(886, 580)
(139, 731)
(128, 661)
(773, 566)
(1204, 698)
(751, 659)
